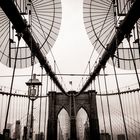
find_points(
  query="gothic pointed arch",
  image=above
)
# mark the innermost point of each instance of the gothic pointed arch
(82, 120)
(63, 124)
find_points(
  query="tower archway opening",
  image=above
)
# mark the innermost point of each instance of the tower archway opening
(82, 124)
(63, 125)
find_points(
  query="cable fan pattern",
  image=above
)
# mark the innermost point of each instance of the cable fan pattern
(102, 19)
(43, 18)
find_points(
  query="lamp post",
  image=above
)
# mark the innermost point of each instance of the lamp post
(33, 92)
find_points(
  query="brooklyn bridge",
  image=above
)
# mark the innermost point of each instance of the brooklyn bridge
(69, 69)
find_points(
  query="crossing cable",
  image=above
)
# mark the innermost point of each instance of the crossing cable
(46, 38)
(96, 41)
(108, 105)
(124, 28)
(132, 109)
(102, 108)
(128, 117)
(130, 126)
(117, 84)
(126, 106)
(128, 39)
(117, 119)
(115, 20)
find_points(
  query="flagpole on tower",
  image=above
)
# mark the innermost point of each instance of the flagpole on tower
(70, 82)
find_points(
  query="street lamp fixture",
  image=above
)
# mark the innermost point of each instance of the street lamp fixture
(33, 87)
(33, 92)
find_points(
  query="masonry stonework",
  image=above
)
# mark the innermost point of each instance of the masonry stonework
(72, 104)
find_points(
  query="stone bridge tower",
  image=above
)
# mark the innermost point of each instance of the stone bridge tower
(72, 105)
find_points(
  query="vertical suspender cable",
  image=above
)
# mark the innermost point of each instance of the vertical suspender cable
(13, 115)
(130, 112)
(54, 72)
(90, 72)
(40, 107)
(9, 45)
(117, 84)
(20, 105)
(32, 65)
(138, 36)
(11, 111)
(135, 67)
(102, 108)
(137, 108)
(32, 62)
(1, 112)
(19, 37)
(16, 107)
(126, 108)
(128, 39)
(45, 117)
(134, 113)
(108, 106)
(28, 112)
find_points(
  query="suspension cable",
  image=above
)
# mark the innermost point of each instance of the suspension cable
(117, 84)
(19, 37)
(46, 38)
(124, 28)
